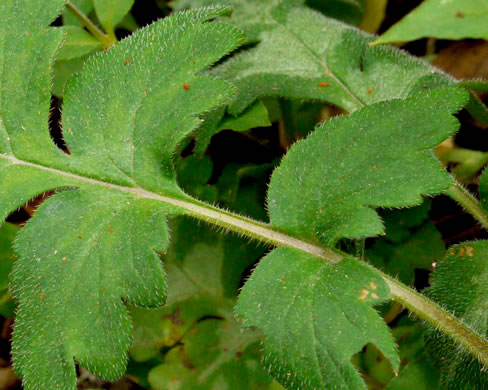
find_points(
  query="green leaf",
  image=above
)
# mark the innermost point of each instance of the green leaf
(460, 284)
(484, 190)
(215, 354)
(7, 257)
(104, 236)
(111, 12)
(205, 263)
(75, 295)
(165, 327)
(204, 271)
(343, 181)
(315, 316)
(412, 242)
(455, 19)
(418, 375)
(305, 55)
(373, 15)
(419, 251)
(255, 116)
(77, 44)
(252, 16)
(63, 71)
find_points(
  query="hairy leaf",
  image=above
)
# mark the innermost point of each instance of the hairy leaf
(251, 15)
(119, 133)
(343, 181)
(305, 55)
(454, 19)
(315, 317)
(460, 284)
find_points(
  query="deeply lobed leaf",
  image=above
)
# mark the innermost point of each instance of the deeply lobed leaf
(379, 156)
(71, 289)
(315, 316)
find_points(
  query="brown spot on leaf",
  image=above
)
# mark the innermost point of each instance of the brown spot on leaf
(111, 230)
(459, 14)
(42, 296)
(126, 62)
(186, 86)
(323, 84)
(65, 259)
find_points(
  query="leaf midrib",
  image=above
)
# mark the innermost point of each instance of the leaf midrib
(200, 210)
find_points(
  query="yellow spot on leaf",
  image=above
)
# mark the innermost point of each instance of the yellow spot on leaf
(373, 285)
(42, 296)
(364, 294)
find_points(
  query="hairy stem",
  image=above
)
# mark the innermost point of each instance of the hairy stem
(90, 26)
(468, 202)
(429, 311)
(418, 304)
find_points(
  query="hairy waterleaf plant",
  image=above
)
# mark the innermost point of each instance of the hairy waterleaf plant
(95, 245)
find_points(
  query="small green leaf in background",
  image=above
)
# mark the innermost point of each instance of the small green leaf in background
(315, 316)
(255, 116)
(373, 15)
(214, 354)
(7, 257)
(419, 375)
(78, 43)
(412, 242)
(111, 12)
(460, 284)
(63, 71)
(85, 6)
(207, 350)
(454, 19)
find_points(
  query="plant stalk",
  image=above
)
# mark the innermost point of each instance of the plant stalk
(90, 26)
(472, 205)
(442, 320)
(418, 304)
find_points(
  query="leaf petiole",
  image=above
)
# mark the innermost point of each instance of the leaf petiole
(90, 26)
(462, 196)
